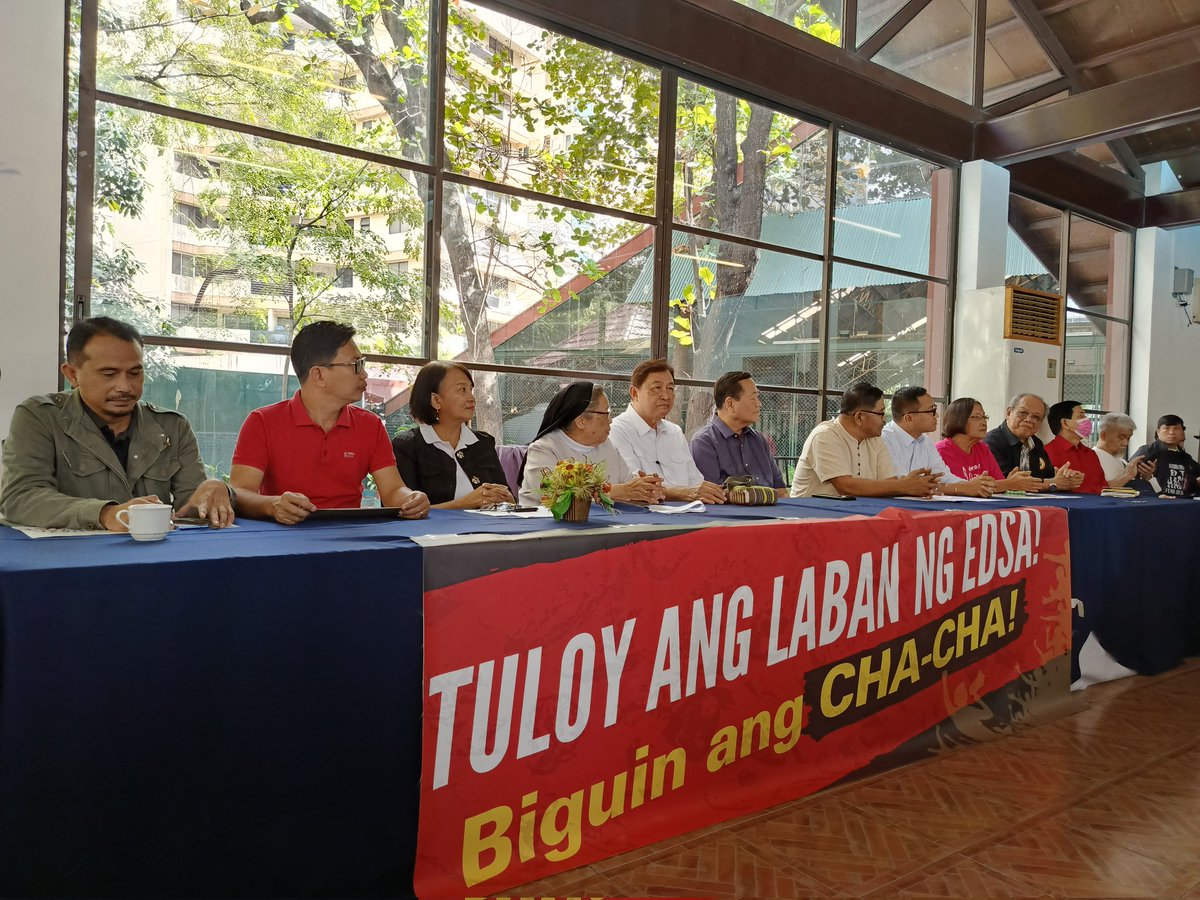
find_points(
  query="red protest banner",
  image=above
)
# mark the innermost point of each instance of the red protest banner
(580, 707)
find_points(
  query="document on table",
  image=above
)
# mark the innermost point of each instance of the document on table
(696, 506)
(34, 532)
(943, 498)
(542, 512)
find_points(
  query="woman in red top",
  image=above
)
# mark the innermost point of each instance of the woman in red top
(965, 453)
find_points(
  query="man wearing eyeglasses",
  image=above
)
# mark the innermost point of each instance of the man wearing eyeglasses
(1016, 446)
(846, 457)
(314, 450)
(914, 415)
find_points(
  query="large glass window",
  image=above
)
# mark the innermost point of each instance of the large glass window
(1096, 352)
(745, 170)
(459, 183)
(282, 66)
(528, 107)
(821, 20)
(240, 239)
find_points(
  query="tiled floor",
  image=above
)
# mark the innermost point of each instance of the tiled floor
(1103, 803)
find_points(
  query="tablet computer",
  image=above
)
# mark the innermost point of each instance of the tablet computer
(354, 512)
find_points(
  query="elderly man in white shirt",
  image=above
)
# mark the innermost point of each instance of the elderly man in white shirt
(1115, 431)
(914, 415)
(649, 443)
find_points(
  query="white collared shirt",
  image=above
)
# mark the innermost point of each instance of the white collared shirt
(466, 437)
(656, 451)
(909, 453)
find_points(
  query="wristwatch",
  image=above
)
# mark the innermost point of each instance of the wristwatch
(1048, 484)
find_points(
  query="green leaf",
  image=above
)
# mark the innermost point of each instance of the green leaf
(559, 270)
(706, 275)
(562, 504)
(683, 323)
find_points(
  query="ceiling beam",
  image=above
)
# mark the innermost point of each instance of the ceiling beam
(1087, 190)
(1173, 209)
(1134, 106)
(1154, 43)
(1047, 39)
(1029, 97)
(1061, 6)
(883, 35)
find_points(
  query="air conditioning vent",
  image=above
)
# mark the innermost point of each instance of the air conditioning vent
(1033, 316)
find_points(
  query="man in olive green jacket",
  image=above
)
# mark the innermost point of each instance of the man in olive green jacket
(75, 459)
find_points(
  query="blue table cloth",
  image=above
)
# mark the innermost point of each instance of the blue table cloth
(238, 712)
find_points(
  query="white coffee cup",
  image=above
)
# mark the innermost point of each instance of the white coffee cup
(146, 521)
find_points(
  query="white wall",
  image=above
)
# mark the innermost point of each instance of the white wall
(31, 110)
(1166, 352)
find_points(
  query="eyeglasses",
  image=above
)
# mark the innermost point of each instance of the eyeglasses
(870, 412)
(359, 365)
(932, 411)
(978, 418)
(1025, 414)
(597, 412)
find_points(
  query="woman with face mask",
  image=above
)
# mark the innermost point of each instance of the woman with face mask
(1070, 427)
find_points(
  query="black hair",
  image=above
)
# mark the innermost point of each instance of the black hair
(905, 400)
(316, 344)
(861, 396)
(82, 332)
(1169, 419)
(426, 384)
(1063, 409)
(729, 385)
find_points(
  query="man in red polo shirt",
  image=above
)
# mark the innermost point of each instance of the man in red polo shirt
(1070, 426)
(314, 450)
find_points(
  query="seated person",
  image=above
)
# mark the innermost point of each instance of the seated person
(314, 450)
(649, 443)
(77, 458)
(1115, 431)
(1070, 426)
(456, 466)
(727, 445)
(1017, 448)
(575, 426)
(1174, 472)
(914, 415)
(846, 457)
(967, 454)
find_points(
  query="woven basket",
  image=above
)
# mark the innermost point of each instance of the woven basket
(578, 510)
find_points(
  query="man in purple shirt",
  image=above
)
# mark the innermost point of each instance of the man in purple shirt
(727, 445)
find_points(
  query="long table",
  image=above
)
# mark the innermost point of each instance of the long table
(236, 712)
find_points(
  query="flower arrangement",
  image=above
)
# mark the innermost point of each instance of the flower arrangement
(572, 480)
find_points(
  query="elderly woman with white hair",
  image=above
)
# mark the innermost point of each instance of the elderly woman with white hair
(1115, 431)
